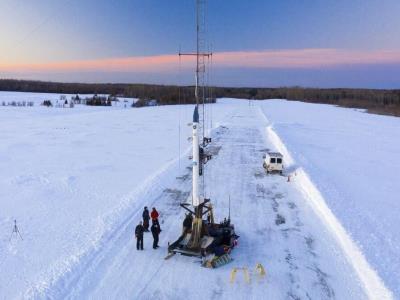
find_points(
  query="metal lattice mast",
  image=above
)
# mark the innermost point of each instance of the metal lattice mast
(201, 56)
(200, 65)
(198, 125)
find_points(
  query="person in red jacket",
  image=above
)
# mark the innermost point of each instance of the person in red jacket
(154, 216)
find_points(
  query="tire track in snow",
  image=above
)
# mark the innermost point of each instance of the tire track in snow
(293, 244)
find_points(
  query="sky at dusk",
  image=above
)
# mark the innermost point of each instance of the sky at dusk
(314, 43)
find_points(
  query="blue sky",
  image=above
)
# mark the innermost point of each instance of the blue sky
(44, 31)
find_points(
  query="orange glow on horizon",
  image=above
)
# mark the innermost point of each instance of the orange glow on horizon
(288, 59)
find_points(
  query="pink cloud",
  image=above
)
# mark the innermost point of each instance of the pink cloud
(292, 59)
(306, 58)
(126, 64)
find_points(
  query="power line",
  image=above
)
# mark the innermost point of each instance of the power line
(44, 22)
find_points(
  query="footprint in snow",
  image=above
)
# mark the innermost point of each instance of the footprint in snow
(280, 220)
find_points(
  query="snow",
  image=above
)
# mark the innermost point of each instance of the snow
(353, 159)
(76, 181)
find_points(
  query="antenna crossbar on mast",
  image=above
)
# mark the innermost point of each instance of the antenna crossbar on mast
(196, 54)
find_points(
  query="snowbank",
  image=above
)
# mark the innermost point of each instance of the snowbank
(353, 159)
(373, 285)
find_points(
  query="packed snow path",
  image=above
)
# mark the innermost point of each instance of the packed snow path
(276, 225)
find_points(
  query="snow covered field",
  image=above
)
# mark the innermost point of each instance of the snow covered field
(77, 179)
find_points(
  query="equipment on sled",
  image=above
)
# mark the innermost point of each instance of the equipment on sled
(217, 261)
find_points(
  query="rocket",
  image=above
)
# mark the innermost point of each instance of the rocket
(198, 242)
(196, 158)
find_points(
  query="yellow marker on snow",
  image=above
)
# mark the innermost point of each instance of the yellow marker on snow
(246, 275)
(233, 275)
(260, 270)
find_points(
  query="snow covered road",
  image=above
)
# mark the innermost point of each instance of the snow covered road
(277, 227)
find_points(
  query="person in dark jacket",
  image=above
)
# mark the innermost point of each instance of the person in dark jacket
(146, 219)
(187, 223)
(154, 217)
(155, 230)
(139, 230)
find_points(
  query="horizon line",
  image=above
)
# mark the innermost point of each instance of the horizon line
(186, 85)
(309, 58)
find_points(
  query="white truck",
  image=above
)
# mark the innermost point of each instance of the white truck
(273, 162)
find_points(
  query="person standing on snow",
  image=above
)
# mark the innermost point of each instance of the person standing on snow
(187, 223)
(155, 230)
(139, 230)
(146, 219)
(154, 217)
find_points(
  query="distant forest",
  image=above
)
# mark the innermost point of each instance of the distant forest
(375, 101)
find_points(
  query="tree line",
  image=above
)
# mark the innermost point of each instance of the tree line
(380, 101)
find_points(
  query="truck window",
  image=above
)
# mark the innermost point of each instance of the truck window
(272, 161)
(279, 160)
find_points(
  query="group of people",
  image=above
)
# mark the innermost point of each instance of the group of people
(144, 227)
